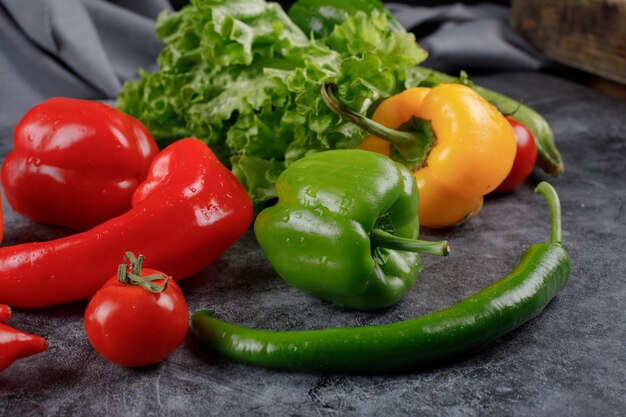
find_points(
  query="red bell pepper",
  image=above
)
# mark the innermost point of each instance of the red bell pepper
(186, 214)
(76, 163)
(15, 344)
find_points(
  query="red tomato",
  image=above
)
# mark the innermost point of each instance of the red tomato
(131, 326)
(525, 157)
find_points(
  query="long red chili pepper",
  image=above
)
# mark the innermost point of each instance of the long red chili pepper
(15, 344)
(187, 212)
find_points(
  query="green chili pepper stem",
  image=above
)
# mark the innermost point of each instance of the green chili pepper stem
(548, 156)
(396, 137)
(380, 238)
(554, 205)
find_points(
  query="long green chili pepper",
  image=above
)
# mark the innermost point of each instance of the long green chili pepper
(496, 310)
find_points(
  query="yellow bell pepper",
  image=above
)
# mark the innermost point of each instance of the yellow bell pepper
(472, 153)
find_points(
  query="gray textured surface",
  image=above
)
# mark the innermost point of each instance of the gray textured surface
(570, 361)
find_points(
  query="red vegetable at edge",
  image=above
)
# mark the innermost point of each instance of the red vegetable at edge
(1, 222)
(5, 313)
(185, 215)
(15, 344)
(76, 163)
(138, 318)
(525, 158)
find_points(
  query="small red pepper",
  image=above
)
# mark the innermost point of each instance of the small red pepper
(15, 344)
(5, 313)
(1, 222)
(525, 157)
(76, 163)
(189, 210)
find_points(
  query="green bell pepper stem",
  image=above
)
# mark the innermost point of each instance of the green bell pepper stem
(423, 341)
(380, 238)
(413, 145)
(548, 156)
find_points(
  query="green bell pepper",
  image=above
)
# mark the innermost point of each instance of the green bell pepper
(344, 229)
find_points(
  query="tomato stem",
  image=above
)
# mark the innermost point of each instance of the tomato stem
(133, 277)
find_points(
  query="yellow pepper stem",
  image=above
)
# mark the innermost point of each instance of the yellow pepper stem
(412, 144)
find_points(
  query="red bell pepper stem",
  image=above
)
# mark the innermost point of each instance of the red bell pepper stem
(15, 345)
(187, 212)
(5, 313)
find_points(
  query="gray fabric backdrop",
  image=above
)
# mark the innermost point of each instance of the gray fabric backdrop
(88, 48)
(71, 48)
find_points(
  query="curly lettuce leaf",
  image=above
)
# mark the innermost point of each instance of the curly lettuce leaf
(320, 17)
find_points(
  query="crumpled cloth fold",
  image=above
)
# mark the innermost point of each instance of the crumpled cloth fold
(71, 48)
(469, 37)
